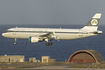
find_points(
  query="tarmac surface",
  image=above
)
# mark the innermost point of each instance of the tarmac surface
(55, 68)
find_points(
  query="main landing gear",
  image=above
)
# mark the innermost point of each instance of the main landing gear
(50, 43)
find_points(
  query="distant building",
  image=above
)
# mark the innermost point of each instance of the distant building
(12, 58)
(38, 60)
(46, 59)
(32, 59)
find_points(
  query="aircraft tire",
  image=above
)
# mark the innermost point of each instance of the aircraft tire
(50, 43)
(15, 43)
(47, 44)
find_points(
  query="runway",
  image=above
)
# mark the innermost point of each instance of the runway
(55, 68)
(62, 68)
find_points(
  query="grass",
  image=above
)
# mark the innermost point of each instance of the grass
(4, 67)
(79, 66)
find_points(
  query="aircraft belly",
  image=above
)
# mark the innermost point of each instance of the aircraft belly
(68, 37)
(71, 36)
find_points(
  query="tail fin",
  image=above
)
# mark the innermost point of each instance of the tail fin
(93, 23)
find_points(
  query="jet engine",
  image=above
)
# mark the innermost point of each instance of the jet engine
(35, 39)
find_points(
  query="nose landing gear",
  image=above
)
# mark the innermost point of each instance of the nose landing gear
(15, 41)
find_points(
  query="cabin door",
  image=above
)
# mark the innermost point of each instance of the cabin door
(80, 33)
(14, 32)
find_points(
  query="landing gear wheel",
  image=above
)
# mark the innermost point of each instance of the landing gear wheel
(50, 43)
(47, 44)
(14, 43)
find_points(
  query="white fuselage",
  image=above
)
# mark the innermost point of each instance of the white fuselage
(47, 34)
(61, 34)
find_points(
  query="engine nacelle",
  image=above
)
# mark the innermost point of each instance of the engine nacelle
(35, 39)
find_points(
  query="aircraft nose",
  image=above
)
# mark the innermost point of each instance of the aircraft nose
(4, 34)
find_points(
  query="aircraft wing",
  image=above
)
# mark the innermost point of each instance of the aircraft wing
(49, 36)
(46, 35)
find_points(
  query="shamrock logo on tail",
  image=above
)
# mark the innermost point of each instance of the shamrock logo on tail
(94, 22)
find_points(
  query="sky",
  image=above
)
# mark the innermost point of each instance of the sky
(63, 12)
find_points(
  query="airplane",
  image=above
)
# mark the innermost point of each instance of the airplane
(48, 34)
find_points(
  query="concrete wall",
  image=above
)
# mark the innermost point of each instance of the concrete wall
(51, 60)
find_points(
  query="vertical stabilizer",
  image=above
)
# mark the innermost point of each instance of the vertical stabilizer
(93, 23)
